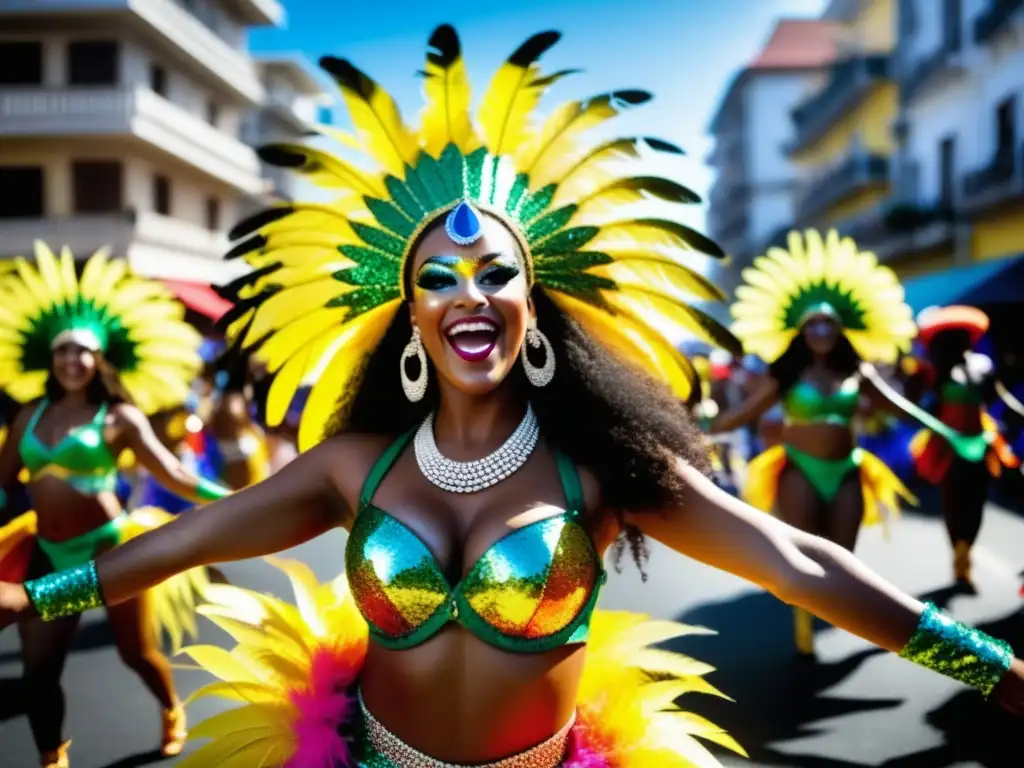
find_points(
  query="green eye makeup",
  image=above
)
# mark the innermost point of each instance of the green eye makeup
(442, 272)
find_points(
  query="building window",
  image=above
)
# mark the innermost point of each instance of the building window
(21, 192)
(212, 214)
(947, 172)
(1006, 127)
(158, 79)
(92, 62)
(162, 195)
(907, 18)
(952, 18)
(97, 186)
(212, 112)
(21, 63)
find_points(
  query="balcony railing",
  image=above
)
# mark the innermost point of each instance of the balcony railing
(137, 113)
(858, 172)
(189, 38)
(995, 16)
(942, 59)
(997, 181)
(846, 86)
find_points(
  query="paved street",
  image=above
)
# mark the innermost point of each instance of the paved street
(857, 707)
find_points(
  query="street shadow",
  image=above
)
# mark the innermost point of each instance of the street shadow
(134, 761)
(976, 732)
(778, 696)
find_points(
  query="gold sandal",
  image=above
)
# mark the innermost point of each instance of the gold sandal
(58, 758)
(174, 731)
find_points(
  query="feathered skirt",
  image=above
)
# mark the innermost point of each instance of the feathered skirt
(23, 553)
(293, 677)
(880, 487)
(933, 455)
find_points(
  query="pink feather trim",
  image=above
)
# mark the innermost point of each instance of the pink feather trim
(323, 707)
(582, 752)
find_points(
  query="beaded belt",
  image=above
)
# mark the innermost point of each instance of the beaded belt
(547, 754)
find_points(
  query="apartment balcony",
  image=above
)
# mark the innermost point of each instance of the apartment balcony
(994, 19)
(859, 172)
(934, 69)
(154, 245)
(848, 83)
(179, 32)
(137, 114)
(998, 181)
(259, 13)
(729, 223)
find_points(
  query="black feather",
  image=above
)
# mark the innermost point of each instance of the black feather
(661, 145)
(258, 220)
(253, 243)
(230, 290)
(534, 48)
(282, 155)
(630, 97)
(544, 82)
(349, 77)
(445, 44)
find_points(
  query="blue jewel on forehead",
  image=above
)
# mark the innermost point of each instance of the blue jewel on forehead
(463, 225)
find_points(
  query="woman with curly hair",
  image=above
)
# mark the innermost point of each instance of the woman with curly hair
(963, 382)
(92, 348)
(821, 313)
(476, 322)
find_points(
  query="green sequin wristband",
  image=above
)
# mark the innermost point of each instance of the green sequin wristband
(210, 491)
(66, 593)
(953, 649)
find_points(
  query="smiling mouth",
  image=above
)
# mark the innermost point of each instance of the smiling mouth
(474, 338)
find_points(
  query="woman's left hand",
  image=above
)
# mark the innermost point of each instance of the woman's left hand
(1009, 693)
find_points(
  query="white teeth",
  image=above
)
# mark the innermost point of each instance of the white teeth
(471, 326)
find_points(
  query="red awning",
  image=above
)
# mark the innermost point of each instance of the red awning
(199, 297)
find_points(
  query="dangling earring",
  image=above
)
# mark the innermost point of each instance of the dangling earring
(416, 388)
(542, 376)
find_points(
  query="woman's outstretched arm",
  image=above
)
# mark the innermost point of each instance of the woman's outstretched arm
(800, 569)
(764, 396)
(295, 505)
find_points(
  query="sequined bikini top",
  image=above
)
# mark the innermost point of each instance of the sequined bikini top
(805, 404)
(532, 591)
(81, 457)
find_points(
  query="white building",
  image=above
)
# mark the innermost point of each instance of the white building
(753, 196)
(292, 104)
(961, 159)
(121, 124)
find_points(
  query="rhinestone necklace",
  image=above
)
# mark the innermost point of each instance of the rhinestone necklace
(474, 476)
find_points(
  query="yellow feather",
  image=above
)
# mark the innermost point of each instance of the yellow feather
(37, 291)
(445, 118)
(153, 312)
(68, 278)
(27, 386)
(133, 292)
(633, 343)
(326, 170)
(292, 304)
(292, 338)
(291, 375)
(294, 277)
(561, 131)
(666, 315)
(661, 272)
(49, 272)
(345, 358)
(513, 95)
(113, 273)
(93, 272)
(375, 116)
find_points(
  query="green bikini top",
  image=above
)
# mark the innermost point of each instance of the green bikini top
(532, 591)
(81, 457)
(805, 404)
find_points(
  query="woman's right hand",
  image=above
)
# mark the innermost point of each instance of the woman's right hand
(14, 603)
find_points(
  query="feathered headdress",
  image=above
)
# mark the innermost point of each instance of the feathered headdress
(136, 323)
(784, 287)
(327, 278)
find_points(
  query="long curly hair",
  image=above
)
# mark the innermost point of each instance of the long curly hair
(611, 417)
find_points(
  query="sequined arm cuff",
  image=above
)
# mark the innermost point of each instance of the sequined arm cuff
(958, 651)
(66, 593)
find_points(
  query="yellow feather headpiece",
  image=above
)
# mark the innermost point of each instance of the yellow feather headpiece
(814, 274)
(137, 324)
(327, 279)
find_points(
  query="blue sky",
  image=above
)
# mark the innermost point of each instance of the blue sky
(684, 51)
